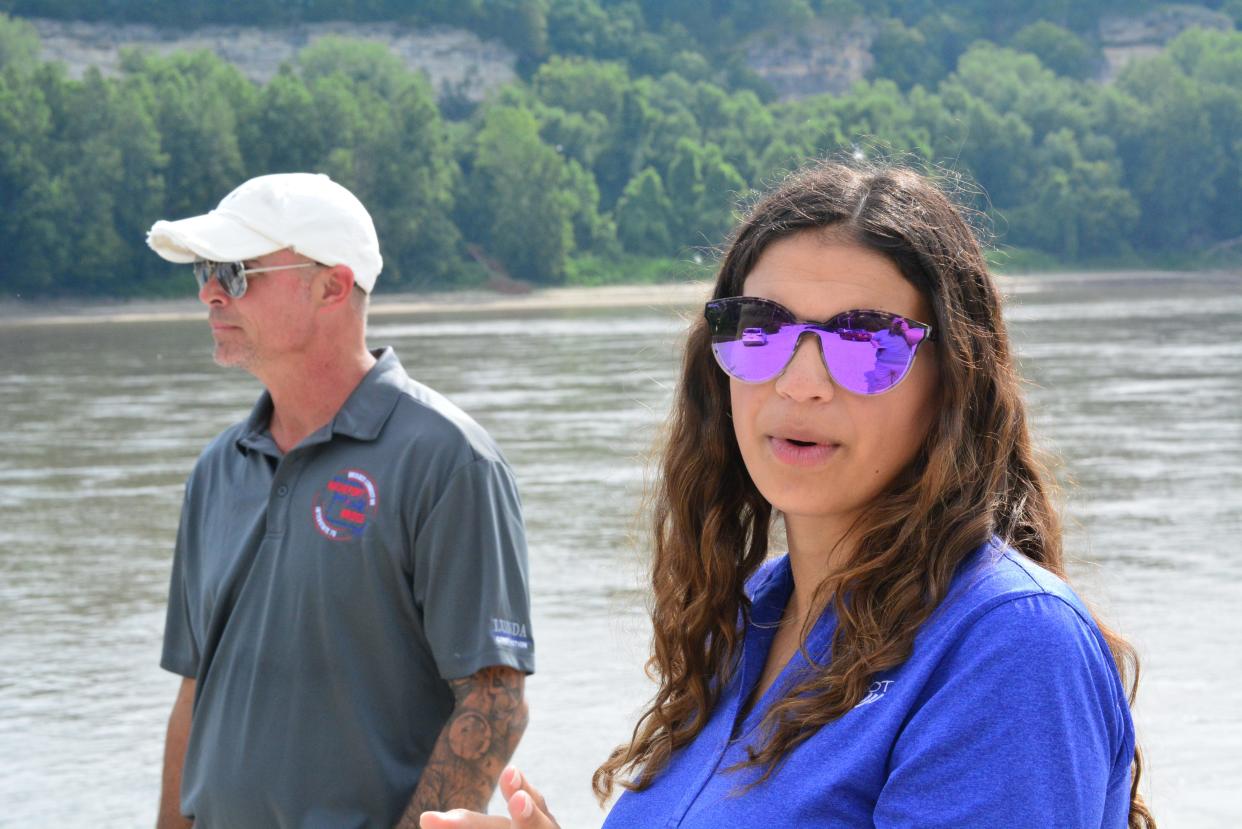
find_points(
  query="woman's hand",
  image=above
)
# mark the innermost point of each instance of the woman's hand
(527, 810)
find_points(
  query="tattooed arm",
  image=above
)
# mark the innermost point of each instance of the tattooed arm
(488, 719)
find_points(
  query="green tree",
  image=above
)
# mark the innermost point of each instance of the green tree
(139, 190)
(30, 200)
(778, 159)
(286, 133)
(112, 164)
(811, 127)
(90, 168)
(645, 216)
(1233, 8)
(702, 187)
(1213, 60)
(404, 170)
(523, 24)
(382, 136)
(876, 113)
(371, 66)
(902, 55)
(996, 148)
(593, 231)
(1075, 207)
(1177, 162)
(19, 44)
(949, 35)
(583, 86)
(1011, 82)
(629, 146)
(199, 101)
(616, 32)
(738, 122)
(1057, 48)
(513, 203)
(81, 178)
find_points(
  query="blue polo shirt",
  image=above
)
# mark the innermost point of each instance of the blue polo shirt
(1008, 713)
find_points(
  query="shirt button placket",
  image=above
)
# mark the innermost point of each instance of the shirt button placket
(278, 503)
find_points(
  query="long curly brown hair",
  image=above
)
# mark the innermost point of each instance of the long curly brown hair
(976, 475)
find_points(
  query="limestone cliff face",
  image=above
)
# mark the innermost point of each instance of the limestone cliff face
(820, 58)
(1124, 39)
(456, 61)
(827, 58)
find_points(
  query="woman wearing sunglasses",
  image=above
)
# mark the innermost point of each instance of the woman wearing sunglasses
(916, 659)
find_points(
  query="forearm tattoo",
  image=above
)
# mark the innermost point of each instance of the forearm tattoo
(475, 744)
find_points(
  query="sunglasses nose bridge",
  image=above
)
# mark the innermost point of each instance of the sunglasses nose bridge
(219, 283)
(211, 289)
(818, 347)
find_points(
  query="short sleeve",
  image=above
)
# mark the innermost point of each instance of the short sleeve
(470, 574)
(181, 652)
(1024, 724)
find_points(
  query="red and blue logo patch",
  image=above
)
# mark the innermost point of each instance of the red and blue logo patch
(343, 508)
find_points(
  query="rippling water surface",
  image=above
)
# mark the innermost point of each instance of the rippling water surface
(1136, 383)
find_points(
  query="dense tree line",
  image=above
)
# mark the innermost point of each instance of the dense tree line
(587, 169)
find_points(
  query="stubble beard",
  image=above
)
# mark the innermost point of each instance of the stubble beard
(233, 355)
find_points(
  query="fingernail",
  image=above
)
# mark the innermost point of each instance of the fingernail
(528, 805)
(515, 776)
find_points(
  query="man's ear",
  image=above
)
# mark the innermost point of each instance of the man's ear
(337, 285)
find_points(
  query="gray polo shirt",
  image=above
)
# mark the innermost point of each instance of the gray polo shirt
(322, 597)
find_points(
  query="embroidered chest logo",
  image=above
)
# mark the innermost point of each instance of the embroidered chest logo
(875, 692)
(343, 507)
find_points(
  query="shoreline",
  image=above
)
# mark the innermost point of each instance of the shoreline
(16, 313)
(20, 313)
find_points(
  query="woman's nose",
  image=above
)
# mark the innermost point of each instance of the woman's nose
(806, 375)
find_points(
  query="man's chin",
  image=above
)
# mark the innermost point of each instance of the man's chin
(232, 357)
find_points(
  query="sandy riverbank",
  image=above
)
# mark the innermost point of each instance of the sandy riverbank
(20, 313)
(15, 313)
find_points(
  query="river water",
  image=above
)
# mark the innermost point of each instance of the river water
(1136, 383)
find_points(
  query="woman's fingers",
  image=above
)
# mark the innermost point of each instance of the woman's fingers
(526, 805)
(462, 819)
(527, 809)
(510, 782)
(526, 813)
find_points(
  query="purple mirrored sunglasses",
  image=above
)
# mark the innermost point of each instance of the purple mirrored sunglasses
(866, 352)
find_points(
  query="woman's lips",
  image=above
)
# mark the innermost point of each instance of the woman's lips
(794, 454)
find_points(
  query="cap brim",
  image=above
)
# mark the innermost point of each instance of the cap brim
(213, 236)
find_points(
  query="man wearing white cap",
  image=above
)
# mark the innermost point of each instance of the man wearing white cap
(348, 605)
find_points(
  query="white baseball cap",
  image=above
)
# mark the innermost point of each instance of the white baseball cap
(307, 212)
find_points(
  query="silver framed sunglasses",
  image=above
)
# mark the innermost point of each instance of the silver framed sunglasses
(233, 275)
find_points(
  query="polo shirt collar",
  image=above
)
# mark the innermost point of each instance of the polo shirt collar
(361, 417)
(771, 593)
(768, 601)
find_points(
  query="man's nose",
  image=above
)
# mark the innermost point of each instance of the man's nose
(212, 292)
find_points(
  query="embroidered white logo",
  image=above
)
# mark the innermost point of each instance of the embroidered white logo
(877, 690)
(510, 634)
